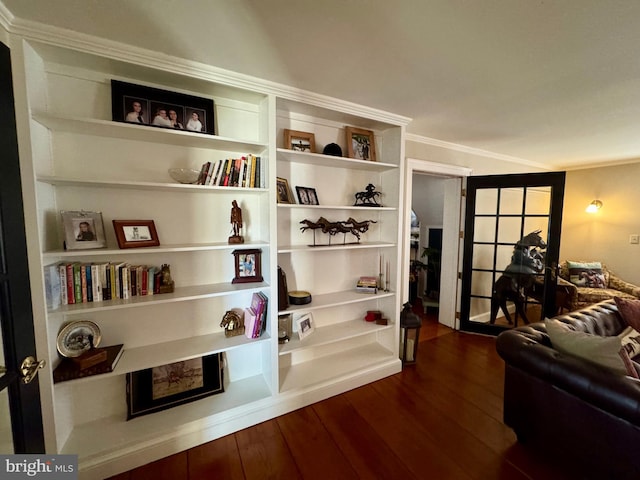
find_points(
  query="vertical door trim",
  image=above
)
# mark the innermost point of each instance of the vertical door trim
(449, 303)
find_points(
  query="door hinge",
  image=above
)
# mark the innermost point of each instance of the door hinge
(458, 315)
(463, 192)
(461, 234)
(459, 275)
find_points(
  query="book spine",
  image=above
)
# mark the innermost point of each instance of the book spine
(144, 281)
(77, 282)
(216, 174)
(71, 292)
(62, 272)
(252, 177)
(87, 269)
(52, 286)
(95, 283)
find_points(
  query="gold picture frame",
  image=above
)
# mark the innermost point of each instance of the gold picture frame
(299, 141)
(361, 144)
(283, 191)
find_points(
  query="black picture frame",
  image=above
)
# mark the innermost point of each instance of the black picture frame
(307, 196)
(152, 100)
(141, 386)
(244, 257)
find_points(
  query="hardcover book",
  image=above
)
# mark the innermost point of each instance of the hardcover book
(68, 369)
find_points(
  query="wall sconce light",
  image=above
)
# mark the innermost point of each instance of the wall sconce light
(594, 206)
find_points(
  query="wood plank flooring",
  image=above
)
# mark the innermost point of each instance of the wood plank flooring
(438, 419)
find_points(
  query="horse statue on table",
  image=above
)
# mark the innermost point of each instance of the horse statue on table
(527, 260)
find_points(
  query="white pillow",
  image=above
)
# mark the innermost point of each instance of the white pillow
(603, 351)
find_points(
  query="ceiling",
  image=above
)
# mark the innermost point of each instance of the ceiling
(554, 82)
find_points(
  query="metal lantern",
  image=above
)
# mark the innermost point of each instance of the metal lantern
(410, 336)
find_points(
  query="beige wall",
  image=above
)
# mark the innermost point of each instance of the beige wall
(603, 236)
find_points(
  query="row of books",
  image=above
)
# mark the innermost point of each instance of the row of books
(255, 316)
(76, 282)
(367, 285)
(247, 171)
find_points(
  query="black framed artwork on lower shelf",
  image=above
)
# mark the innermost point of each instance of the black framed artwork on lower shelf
(166, 386)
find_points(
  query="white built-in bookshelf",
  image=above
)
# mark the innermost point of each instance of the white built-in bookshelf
(75, 157)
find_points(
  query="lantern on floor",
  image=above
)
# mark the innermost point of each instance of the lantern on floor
(410, 334)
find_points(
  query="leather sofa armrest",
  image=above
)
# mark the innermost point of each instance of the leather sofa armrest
(617, 283)
(528, 349)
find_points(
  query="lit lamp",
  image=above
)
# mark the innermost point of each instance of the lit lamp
(410, 335)
(594, 206)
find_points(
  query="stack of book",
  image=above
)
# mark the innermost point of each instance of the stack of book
(367, 285)
(76, 282)
(255, 316)
(246, 172)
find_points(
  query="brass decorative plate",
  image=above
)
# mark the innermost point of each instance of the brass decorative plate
(75, 338)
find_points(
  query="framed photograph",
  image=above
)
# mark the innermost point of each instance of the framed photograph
(82, 230)
(284, 192)
(248, 265)
(167, 386)
(136, 233)
(161, 108)
(305, 326)
(307, 196)
(299, 141)
(361, 144)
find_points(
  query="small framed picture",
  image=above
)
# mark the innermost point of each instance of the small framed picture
(305, 326)
(361, 144)
(248, 265)
(284, 192)
(307, 196)
(299, 141)
(166, 386)
(83, 230)
(136, 233)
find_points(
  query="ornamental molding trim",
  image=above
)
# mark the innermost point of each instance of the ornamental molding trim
(434, 142)
(35, 31)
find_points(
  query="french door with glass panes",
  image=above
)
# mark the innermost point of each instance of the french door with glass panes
(511, 249)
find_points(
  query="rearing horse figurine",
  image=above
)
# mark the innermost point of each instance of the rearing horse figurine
(526, 261)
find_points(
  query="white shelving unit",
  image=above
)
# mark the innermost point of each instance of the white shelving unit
(74, 157)
(343, 345)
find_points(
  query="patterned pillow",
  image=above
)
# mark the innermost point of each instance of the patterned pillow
(587, 274)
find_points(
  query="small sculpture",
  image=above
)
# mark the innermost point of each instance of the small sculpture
(368, 197)
(233, 322)
(351, 226)
(236, 223)
(166, 283)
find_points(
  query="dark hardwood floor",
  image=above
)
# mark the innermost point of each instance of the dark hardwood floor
(438, 419)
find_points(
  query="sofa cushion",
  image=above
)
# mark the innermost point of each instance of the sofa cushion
(629, 311)
(601, 350)
(587, 274)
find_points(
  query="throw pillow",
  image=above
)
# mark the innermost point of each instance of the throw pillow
(632, 367)
(629, 310)
(604, 351)
(586, 274)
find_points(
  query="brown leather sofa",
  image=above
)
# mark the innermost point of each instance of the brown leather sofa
(586, 415)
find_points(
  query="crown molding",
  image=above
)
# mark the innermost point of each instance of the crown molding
(6, 17)
(61, 37)
(411, 137)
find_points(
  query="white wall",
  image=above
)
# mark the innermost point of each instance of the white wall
(603, 236)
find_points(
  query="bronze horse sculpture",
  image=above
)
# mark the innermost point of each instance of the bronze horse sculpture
(527, 260)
